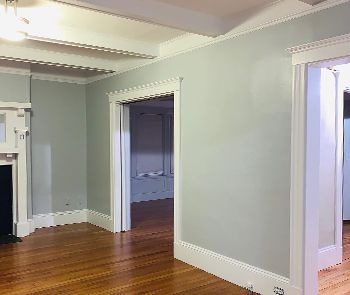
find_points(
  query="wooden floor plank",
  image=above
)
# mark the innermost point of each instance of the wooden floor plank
(85, 259)
(336, 280)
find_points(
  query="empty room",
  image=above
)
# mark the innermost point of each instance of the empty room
(174, 147)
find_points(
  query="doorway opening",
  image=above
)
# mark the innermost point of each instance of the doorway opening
(124, 170)
(151, 162)
(328, 118)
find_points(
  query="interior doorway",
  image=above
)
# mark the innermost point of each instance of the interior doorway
(120, 156)
(327, 95)
(151, 124)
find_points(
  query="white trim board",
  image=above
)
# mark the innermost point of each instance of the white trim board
(242, 274)
(99, 219)
(46, 76)
(59, 78)
(60, 218)
(329, 256)
(71, 217)
(321, 50)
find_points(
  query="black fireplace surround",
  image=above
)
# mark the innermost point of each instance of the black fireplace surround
(6, 195)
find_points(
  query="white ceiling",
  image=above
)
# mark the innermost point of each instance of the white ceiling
(217, 8)
(110, 35)
(55, 14)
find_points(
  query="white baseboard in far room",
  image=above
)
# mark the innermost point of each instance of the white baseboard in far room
(236, 272)
(99, 219)
(329, 256)
(60, 218)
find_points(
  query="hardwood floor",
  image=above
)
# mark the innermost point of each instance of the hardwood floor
(336, 280)
(84, 259)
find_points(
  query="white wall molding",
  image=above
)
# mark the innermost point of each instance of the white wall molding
(60, 218)
(48, 77)
(239, 273)
(144, 91)
(99, 219)
(59, 78)
(321, 50)
(71, 217)
(329, 256)
(42, 55)
(15, 71)
(31, 225)
(22, 228)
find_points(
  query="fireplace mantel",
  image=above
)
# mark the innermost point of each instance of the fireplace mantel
(13, 151)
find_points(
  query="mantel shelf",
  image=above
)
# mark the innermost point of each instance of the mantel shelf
(14, 105)
(9, 151)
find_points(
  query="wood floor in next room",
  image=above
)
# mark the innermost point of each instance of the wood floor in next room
(336, 280)
(84, 259)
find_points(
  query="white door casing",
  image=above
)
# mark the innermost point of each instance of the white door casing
(304, 196)
(120, 148)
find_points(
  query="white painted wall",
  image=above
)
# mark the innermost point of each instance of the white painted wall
(327, 159)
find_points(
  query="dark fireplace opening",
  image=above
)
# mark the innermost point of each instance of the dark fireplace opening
(6, 196)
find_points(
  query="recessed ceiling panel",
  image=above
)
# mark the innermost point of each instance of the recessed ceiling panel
(218, 8)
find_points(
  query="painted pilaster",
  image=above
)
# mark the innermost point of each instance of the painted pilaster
(22, 225)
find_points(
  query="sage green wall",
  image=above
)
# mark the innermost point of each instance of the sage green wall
(235, 138)
(58, 146)
(14, 87)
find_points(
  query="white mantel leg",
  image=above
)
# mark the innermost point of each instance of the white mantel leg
(21, 224)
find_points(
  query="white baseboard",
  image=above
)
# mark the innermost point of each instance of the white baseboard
(152, 197)
(22, 229)
(31, 225)
(329, 256)
(99, 219)
(70, 217)
(60, 218)
(234, 271)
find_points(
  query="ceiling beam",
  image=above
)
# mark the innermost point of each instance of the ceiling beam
(91, 40)
(156, 13)
(41, 56)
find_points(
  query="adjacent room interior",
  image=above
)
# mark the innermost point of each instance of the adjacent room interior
(152, 161)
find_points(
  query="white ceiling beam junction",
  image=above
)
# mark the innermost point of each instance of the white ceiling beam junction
(157, 13)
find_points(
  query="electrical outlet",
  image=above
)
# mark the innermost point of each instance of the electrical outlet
(278, 291)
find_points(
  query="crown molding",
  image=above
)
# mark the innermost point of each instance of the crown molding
(189, 42)
(45, 77)
(59, 78)
(15, 71)
(164, 84)
(99, 77)
(322, 52)
(319, 44)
